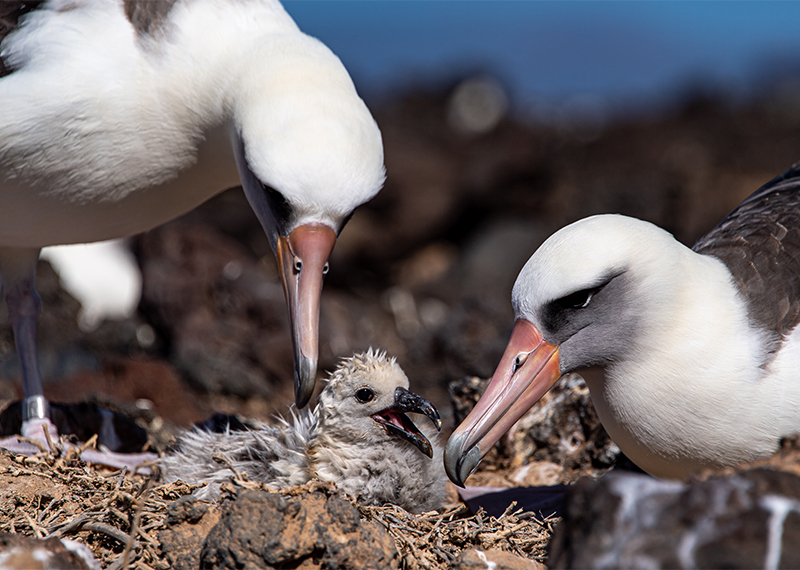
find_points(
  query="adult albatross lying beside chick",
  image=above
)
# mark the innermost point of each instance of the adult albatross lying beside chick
(358, 437)
(699, 347)
(116, 117)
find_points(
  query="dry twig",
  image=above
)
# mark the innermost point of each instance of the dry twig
(433, 540)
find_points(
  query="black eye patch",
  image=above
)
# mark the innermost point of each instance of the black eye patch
(562, 315)
(279, 206)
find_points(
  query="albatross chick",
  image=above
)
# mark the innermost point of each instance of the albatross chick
(358, 437)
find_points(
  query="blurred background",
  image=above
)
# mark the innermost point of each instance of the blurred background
(502, 122)
(614, 59)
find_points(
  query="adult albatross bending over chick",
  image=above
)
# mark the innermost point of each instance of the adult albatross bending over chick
(699, 347)
(358, 437)
(117, 116)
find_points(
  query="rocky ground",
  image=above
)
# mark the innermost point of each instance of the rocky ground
(424, 271)
(136, 522)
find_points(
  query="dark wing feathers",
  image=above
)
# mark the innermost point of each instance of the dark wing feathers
(10, 13)
(146, 16)
(759, 242)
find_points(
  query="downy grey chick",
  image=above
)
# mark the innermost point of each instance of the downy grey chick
(358, 437)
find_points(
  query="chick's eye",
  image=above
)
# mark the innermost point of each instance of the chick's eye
(326, 268)
(298, 265)
(365, 395)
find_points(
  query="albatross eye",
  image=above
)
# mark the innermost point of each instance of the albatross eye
(578, 299)
(365, 395)
(326, 268)
(298, 265)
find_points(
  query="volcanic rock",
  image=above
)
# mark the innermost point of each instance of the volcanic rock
(189, 521)
(625, 520)
(314, 530)
(563, 428)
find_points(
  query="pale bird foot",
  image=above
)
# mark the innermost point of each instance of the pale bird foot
(41, 436)
(133, 462)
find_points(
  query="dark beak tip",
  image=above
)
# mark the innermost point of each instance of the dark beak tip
(304, 382)
(426, 449)
(407, 401)
(408, 432)
(301, 398)
(433, 415)
(453, 476)
(459, 464)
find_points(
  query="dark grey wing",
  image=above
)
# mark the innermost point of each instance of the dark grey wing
(10, 13)
(147, 16)
(759, 242)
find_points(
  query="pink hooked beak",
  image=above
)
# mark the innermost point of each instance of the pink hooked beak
(528, 369)
(302, 262)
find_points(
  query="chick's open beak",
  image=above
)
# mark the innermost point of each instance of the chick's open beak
(528, 369)
(398, 423)
(302, 262)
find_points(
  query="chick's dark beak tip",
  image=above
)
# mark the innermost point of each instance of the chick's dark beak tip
(425, 447)
(397, 423)
(407, 401)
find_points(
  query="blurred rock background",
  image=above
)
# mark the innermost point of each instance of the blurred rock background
(424, 270)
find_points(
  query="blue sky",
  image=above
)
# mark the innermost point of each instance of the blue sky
(624, 53)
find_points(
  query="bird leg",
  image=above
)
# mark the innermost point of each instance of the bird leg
(18, 271)
(23, 311)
